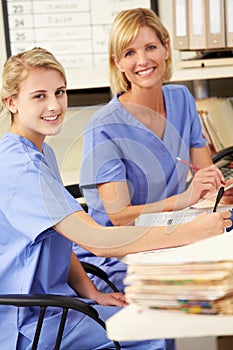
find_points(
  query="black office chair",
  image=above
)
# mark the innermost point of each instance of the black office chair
(65, 303)
(95, 270)
(48, 300)
(222, 154)
(76, 192)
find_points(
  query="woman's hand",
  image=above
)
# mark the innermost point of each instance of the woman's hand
(228, 194)
(107, 299)
(205, 182)
(209, 224)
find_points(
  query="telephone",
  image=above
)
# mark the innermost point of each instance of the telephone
(224, 161)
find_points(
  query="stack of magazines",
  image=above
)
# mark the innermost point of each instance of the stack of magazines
(197, 278)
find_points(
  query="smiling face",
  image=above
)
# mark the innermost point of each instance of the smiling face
(143, 60)
(39, 108)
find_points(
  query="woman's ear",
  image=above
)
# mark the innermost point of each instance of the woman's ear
(10, 105)
(166, 46)
(117, 63)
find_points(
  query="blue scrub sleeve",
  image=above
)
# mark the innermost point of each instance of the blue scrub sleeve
(38, 201)
(102, 158)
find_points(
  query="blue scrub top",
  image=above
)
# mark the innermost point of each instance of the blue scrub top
(34, 258)
(118, 147)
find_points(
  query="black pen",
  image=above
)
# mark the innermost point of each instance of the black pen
(218, 198)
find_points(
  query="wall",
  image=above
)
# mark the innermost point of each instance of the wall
(220, 80)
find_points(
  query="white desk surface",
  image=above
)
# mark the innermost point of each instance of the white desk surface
(132, 323)
(136, 323)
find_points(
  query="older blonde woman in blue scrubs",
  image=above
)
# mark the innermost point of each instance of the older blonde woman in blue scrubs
(130, 145)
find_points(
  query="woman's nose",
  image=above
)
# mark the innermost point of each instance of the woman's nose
(53, 104)
(142, 57)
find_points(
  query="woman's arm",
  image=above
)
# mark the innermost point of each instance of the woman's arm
(116, 199)
(201, 157)
(81, 229)
(83, 286)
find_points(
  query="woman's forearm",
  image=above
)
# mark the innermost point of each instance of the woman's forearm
(78, 279)
(118, 241)
(127, 215)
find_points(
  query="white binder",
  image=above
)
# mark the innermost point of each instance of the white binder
(229, 22)
(180, 25)
(215, 28)
(197, 24)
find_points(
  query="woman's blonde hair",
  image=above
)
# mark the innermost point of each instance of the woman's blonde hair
(17, 68)
(124, 30)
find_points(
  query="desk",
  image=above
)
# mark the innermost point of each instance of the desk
(135, 323)
(132, 323)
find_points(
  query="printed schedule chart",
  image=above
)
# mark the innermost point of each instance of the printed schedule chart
(75, 31)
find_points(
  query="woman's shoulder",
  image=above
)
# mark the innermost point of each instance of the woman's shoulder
(105, 113)
(19, 152)
(176, 91)
(170, 88)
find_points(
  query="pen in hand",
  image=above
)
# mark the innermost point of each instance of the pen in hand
(218, 198)
(194, 167)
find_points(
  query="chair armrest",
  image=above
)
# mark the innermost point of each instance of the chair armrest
(95, 270)
(48, 300)
(52, 300)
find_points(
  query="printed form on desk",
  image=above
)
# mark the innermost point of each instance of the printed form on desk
(184, 215)
(183, 253)
(179, 216)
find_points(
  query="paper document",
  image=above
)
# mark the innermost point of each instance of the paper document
(180, 216)
(167, 218)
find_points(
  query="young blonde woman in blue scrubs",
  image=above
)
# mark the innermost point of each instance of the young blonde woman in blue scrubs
(39, 219)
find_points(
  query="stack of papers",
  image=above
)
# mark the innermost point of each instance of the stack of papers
(197, 278)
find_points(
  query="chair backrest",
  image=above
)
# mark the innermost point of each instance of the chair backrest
(76, 192)
(49, 300)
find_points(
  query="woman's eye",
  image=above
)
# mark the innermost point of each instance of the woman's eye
(151, 47)
(39, 96)
(60, 92)
(129, 53)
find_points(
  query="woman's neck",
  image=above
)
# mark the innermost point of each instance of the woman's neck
(36, 139)
(152, 100)
(148, 108)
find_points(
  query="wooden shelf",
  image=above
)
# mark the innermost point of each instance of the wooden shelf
(200, 73)
(202, 63)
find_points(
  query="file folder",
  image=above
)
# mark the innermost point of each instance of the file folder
(180, 25)
(215, 29)
(197, 24)
(229, 22)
